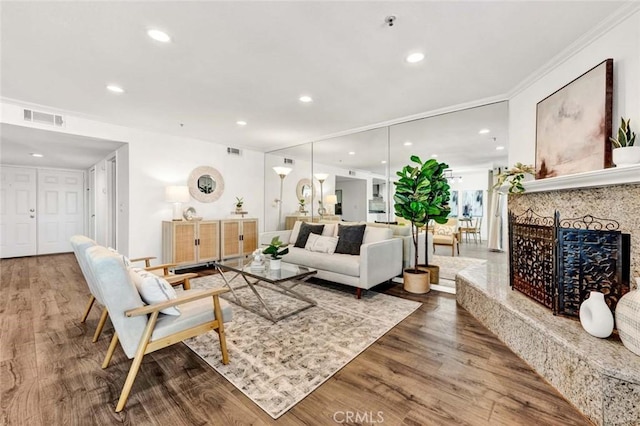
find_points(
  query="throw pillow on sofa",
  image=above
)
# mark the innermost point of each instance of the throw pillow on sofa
(305, 230)
(154, 289)
(350, 239)
(321, 244)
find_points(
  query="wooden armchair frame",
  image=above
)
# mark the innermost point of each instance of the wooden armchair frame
(146, 346)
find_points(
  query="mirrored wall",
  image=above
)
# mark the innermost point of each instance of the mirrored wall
(351, 177)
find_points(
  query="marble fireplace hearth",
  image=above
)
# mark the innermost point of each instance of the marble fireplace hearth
(600, 377)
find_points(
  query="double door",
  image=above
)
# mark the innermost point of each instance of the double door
(40, 210)
(239, 237)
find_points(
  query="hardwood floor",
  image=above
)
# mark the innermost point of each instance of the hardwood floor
(438, 367)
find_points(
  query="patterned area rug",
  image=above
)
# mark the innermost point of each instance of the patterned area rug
(277, 365)
(451, 265)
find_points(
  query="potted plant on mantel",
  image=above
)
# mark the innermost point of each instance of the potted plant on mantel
(276, 252)
(624, 152)
(514, 176)
(413, 203)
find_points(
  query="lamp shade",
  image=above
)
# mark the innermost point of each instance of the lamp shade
(177, 194)
(282, 171)
(321, 176)
(331, 199)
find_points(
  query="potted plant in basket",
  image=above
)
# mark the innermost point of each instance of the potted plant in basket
(239, 203)
(625, 153)
(417, 200)
(276, 249)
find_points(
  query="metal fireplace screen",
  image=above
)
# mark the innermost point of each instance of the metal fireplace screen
(558, 262)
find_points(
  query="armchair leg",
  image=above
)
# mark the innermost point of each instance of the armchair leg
(88, 308)
(221, 336)
(186, 284)
(110, 351)
(137, 361)
(103, 320)
(358, 293)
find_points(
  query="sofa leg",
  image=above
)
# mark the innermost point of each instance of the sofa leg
(358, 293)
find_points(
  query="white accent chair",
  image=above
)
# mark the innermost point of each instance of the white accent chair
(142, 329)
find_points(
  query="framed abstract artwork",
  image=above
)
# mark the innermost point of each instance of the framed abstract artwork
(472, 203)
(453, 204)
(573, 125)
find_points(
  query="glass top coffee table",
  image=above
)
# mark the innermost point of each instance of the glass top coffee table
(283, 281)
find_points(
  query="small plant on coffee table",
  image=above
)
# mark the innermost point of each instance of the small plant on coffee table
(276, 248)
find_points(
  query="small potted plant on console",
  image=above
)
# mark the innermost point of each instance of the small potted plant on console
(276, 249)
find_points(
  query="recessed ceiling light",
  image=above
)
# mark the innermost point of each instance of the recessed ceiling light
(34, 154)
(115, 89)
(384, 161)
(352, 153)
(158, 35)
(499, 148)
(434, 155)
(305, 99)
(415, 57)
(241, 123)
(407, 143)
(484, 131)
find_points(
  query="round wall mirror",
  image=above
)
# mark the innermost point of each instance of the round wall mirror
(206, 184)
(305, 190)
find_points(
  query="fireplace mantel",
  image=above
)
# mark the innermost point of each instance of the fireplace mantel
(596, 178)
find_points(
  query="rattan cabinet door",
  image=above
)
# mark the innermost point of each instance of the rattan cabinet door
(249, 236)
(208, 241)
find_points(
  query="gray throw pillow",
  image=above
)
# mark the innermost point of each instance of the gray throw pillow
(305, 230)
(350, 239)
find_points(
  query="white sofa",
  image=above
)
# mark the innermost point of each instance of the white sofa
(380, 257)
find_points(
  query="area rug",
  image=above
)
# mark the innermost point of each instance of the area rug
(277, 365)
(451, 265)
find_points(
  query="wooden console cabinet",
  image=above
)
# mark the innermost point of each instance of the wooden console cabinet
(197, 242)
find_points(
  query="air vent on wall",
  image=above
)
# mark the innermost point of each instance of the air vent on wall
(288, 161)
(234, 151)
(43, 118)
(352, 173)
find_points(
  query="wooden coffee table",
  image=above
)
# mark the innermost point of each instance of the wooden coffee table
(284, 279)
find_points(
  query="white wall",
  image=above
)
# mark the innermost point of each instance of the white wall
(157, 160)
(354, 199)
(622, 43)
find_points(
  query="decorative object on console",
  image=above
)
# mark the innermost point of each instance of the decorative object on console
(514, 177)
(275, 252)
(595, 316)
(177, 195)
(301, 204)
(258, 260)
(206, 184)
(321, 178)
(574, 123)
(282, 172)
(190, 214)
(239, 203)
(628, 319)
(422, 193)
(625, 153)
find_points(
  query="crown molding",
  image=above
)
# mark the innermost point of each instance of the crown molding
(620, 15)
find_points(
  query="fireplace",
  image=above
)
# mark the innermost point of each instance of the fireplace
(557, 262)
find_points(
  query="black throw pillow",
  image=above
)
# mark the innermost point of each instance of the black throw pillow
(350, 239)
(305, 230)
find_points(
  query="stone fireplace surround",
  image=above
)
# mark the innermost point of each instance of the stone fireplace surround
(599, 376)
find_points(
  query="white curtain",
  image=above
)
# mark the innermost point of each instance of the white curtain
(495, 237)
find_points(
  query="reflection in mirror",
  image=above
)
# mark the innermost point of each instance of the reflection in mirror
(353, 163)
(456, 139)
(206, 184)
(298, 159)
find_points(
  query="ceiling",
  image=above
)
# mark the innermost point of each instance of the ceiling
(237, 60)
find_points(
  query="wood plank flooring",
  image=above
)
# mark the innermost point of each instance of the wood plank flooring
(438, 367)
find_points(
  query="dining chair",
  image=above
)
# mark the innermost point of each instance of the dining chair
(141, 329)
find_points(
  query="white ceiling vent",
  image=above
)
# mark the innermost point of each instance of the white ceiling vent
(288, 161)
(43, 118)
(234, 151)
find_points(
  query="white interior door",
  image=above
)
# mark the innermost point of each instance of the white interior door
(18, 225)
(61, 209)
(92, 203)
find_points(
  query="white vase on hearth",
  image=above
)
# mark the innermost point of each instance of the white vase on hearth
(595, 316)
(628, 320)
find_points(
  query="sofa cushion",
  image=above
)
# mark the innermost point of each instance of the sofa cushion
(373, 234)
(321, 243)
(154, 289)
(305, 230)
(350, 239)
(295, 231)
(339, 263)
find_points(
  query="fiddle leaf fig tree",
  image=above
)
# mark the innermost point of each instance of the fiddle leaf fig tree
(422, 193)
